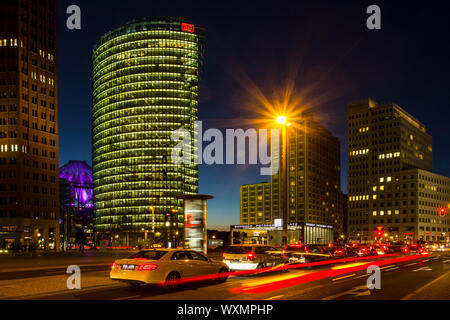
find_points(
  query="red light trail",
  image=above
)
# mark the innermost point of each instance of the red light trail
(272, 269)
(318, 276)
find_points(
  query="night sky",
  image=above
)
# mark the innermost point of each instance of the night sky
(258, 44)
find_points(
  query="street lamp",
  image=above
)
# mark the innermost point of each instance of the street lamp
(283, 122)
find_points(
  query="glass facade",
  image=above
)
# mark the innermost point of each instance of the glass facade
(145, 86)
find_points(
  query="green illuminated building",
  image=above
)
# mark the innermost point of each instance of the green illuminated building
(145, 86)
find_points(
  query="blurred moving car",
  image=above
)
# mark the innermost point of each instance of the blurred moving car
(301, 253)
(252, 257)
(361, 250)
(156, 266)
(414, 248)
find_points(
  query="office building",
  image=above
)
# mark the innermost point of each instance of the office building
(315, 200)
(146, 77)
(29, 192)
(390, 153)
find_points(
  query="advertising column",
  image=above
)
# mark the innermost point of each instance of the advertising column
(195, 216)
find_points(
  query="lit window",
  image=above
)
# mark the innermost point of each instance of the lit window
(389, 179)
(381, 179)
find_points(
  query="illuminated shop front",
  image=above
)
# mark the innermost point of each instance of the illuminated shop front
(270, 234)
(145, 86)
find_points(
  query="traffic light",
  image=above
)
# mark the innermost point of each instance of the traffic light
(442, 211)
(379, 233)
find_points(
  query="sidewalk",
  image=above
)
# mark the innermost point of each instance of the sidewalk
(49, 260)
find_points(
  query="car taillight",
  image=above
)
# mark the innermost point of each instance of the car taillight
(384, 248)
(363, 250)
(113, 266)
(405, 250)
(147, 267)
(339, 251)
(223, 255)
(421, 250)
(250, 256)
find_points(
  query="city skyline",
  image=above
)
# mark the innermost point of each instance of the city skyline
(385, 76)
(242, 153)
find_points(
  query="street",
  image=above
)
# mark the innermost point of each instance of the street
(419, 277)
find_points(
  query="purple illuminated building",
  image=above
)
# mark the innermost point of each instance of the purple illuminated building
(79, 176)
(77, 208)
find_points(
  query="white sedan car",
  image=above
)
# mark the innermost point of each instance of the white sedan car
(156, 266)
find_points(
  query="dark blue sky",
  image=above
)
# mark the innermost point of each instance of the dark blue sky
(406, 62)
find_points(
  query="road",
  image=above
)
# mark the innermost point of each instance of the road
(424, 277)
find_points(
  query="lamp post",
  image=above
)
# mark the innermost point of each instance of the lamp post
(284, 181)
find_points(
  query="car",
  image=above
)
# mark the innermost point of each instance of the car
(379, 248)
(414, 248)
(361, 250)
(307, 253)
(156, 266)
(295, 253)
(252, 257)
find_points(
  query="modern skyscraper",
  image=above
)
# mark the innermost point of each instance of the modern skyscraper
(315, 201)
(389, 154)
(145, 86)
(29, 203)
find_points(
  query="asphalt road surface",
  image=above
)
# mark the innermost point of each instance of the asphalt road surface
(425, 277)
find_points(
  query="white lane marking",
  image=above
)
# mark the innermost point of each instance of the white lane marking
(446, 261)
(272, 298)
(426, 260)
(391, 269)
(411, 264)
(423, 269)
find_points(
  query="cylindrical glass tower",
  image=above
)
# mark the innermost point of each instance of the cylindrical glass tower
(145, 86)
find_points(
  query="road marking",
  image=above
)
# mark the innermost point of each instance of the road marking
(353, 292)
(424, 287)
(392, 265)
(392, 269)
(426, 260)
(423, 269)
(347, 276)
(411, 264)
(363, 276)
(446, 261)
(272, 298)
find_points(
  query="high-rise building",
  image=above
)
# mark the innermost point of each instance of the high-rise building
(315, 201)
(146, 77)
(389, 151)
(29, 200)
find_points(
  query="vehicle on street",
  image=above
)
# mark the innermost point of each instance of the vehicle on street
(361, 250)
(414, 248)
(252, 257)
(301, 253)
(156, 266)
